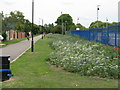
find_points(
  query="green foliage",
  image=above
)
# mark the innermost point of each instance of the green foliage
(115, 23)
(72, 27)
(100, 24)
(80, 26)
(36, 29)
(15, 20)
(66, 19)
(27, 27)
(50, 28)
(58, 29)
(97, 24)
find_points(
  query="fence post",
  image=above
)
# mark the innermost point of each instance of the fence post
(97, 35)
(108, 35)
(89, 34)
(118, 37)
(116, 31)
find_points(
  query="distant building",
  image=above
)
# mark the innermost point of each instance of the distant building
(12, 34)
(21, 35)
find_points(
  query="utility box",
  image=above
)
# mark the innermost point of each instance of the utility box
(5, 72)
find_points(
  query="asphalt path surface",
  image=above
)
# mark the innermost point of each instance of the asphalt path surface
(17, 49)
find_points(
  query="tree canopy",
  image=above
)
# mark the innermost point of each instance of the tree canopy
(100, 24)
(67, 22)
(80, 26)
(64, 18)
(14, 20)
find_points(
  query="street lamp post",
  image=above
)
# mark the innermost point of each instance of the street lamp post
(32, 43)
(106, 22)
(97, 13)
(77, 20)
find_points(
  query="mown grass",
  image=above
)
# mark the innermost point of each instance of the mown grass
(11, 42)
(33, 71)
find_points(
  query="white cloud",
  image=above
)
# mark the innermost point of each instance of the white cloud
(8, 2)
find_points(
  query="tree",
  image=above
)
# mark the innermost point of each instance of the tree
(72, 27)
(50, 28)
(81, 27)
(58, 29)
(115, 23)
(27, 27)
(66, 19)
(99, 24)
(36, 29)
(15, 20)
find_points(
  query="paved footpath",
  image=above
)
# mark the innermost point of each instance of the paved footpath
(16, 50)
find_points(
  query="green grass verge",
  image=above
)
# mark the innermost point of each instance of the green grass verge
(13, 41)
(32, 71)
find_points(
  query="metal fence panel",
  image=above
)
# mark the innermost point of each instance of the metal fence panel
(107, 36)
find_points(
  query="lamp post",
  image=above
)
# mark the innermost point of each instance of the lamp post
(106, 22)
(97, 13)
(32, 43)
(77, 20)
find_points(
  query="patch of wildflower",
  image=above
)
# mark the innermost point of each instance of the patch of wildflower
(85, 57)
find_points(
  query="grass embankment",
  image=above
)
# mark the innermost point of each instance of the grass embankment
(32, 71)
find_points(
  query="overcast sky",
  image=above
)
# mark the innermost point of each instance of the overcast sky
(50, 10)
